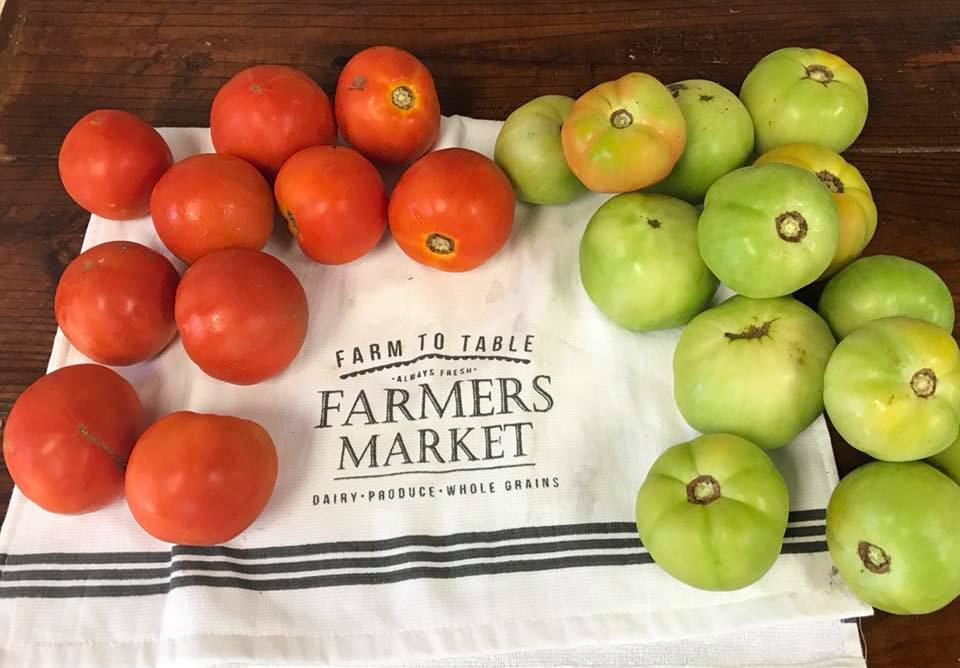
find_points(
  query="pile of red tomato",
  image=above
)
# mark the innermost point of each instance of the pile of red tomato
(76, 439)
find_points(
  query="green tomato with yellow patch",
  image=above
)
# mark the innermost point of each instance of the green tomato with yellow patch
(892, 389)
(805, 96)
(754, 368)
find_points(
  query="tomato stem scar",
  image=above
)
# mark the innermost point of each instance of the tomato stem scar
(751, 331)
(439, 244)
(831, 181)
(402, 97)
(703, 490)
(819, 73)
(874, 558)
(924, 383)
(621, 118)
(675, 88)
(791, 226)
(291, 223)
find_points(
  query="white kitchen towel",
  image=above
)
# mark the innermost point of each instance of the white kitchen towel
(459, 456)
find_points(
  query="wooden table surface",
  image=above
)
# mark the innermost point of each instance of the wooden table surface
(165, 59)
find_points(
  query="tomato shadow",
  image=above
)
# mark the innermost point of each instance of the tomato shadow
(281, 241)
(292, 429)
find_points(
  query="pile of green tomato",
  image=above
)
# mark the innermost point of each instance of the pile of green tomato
(756, 370)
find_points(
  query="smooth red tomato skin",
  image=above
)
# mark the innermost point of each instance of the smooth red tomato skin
(266, 113)
(115, 301)
(334, 202)
(68, 437)
(110, 161)
(199, 479)
(242, 315)
(384, 125)
(452, 209)
(210, 202)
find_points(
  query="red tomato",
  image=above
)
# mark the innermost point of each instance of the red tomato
(453, 210)
(114, 302)
(266, 113)
(387, 105)
(334, 203)
(110, 161)
(199, 479)
(210, 202)
(68, 436)
(242, 315)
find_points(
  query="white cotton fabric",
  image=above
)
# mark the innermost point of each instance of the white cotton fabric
(484, 574)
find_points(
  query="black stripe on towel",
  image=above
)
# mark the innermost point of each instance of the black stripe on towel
(299, 566)
(449, 540)
(331, 580)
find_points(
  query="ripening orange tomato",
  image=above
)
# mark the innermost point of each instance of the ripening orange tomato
(452, 209)
(623, 135)
(387, 106)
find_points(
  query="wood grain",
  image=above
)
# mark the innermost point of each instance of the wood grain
(165, 59)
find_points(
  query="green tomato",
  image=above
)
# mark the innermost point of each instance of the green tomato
(719, 138)
(768, 230)
(805, 96)
(528, 149)
(893, 531)
(754, 368)
(892, 389)
(712, 512)
(882, 286)
(640, 265)
(948, 461)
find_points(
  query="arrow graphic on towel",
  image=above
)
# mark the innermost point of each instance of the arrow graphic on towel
(430, 356)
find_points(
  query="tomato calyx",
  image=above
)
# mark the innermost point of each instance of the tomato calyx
(621, 118)
(440, 244)
(120, 462)
(752, 331)
(291, 223)
(875, 559)
(791, 226)
(831, 181)
(819, 73)
(703, 490)
(924, 383)
(403, 97)
(675, 88)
